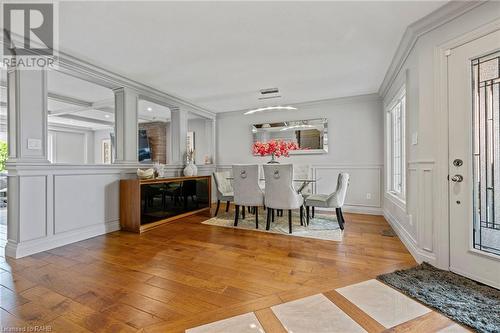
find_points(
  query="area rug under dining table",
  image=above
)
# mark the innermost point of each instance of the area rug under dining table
(322, 226)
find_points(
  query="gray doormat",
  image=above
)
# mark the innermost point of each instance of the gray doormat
(461, 299)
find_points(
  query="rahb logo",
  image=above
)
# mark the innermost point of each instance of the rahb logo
(29, 35)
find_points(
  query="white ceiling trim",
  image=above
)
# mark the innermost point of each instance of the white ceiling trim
(73, 66)
(434, 20)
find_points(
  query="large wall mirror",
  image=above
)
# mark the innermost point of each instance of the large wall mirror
(311, 135)
(81, 120)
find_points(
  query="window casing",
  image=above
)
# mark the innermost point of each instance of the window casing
(396, 143)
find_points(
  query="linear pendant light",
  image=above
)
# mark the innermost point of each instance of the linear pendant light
(270, 108)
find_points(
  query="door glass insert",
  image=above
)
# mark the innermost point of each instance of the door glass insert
(486, 150)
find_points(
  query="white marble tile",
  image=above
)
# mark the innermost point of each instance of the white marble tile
(383, 303)
(315, 314)
(245, 323)
(455, 328)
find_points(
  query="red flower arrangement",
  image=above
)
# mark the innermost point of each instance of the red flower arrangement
(275, 148)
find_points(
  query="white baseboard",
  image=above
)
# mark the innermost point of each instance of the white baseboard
(409, 242)
(23, 249)
(362, 210)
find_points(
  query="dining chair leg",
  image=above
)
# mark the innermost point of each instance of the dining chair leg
(243, 212)
(236, 214)
(249, 209)
(307, 215)
(338, 212)
(301, 215)
(290, 221)
(272, 215)
(342, 215)
(256, 209)
(227, 206)
(268, 222)
(313, 212)
(217, 209)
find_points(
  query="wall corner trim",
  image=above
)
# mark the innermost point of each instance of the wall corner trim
(434, 20)
(408, 241)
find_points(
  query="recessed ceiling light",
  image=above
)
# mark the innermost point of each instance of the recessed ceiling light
(270, 108)
(150, 109)
(107, 115)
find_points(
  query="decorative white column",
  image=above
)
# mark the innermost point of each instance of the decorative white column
(178, 135)
(126, 135)
(27, 140)
(27, 115)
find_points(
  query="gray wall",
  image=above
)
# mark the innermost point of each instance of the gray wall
(355, 135)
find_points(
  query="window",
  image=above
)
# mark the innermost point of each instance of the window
(396, 145)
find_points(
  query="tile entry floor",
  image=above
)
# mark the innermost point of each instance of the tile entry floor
(388, 308)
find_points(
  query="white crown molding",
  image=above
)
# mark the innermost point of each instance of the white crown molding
(434, 20)
(76, 67)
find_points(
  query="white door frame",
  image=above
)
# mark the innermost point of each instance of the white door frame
(441, 106)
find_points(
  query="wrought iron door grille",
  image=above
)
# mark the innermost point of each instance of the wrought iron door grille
(486, 152)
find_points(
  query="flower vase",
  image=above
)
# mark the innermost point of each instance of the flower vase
(190, 170)
(273, 160)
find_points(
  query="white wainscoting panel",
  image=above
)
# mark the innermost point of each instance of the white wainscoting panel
(415, 224)
(364, 183)
(426, 218)
(364, 179)
(33, 207)
(85, 200)
(53, 205)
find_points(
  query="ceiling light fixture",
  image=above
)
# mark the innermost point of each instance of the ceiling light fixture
(296, 126)
(150, 109)
(107, 115)
(269, 108)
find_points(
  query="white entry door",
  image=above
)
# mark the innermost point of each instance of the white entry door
(474, 159)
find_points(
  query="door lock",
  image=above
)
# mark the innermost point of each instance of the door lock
(458, 162)
(457, 178)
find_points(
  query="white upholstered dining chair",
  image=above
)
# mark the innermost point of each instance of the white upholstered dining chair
(224, 189)
(247, 191)
(334, 200)
(280, 193)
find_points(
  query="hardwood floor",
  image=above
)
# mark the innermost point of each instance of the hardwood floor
(185, 274)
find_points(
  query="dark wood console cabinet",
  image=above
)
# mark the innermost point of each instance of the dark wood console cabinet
(145, 204)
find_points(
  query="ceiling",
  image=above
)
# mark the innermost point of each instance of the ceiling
(219, 54)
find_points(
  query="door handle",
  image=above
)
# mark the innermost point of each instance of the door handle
(457, 178)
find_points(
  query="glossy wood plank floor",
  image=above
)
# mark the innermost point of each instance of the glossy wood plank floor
(185, 274)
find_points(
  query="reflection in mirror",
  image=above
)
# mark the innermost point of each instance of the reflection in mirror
(154, 129)
(81, 121)
(199, 138)
(311, 136)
